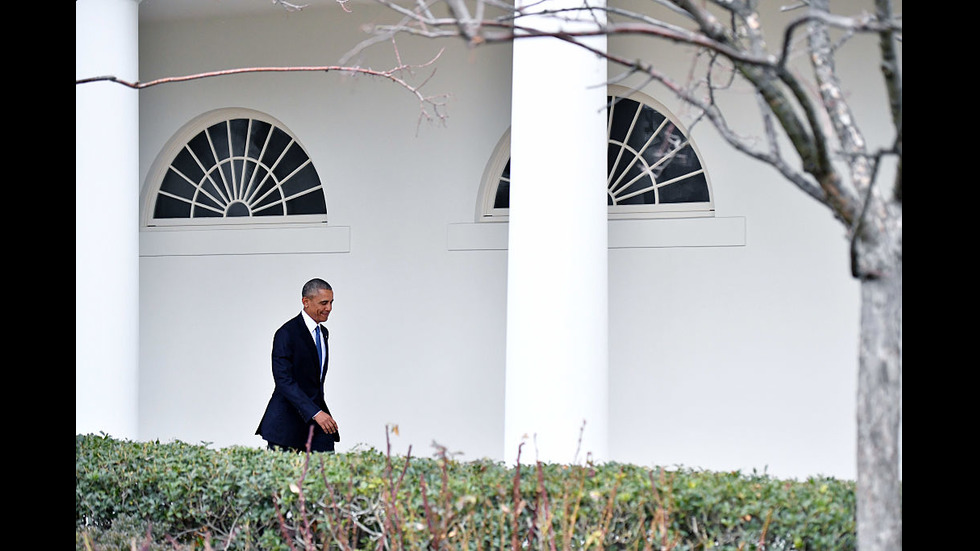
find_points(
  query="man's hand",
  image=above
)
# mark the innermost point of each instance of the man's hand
(326, 422)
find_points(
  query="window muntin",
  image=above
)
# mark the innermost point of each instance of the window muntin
(654, 169)
(234, 166)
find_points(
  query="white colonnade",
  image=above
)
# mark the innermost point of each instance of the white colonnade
(557, 281)
(106, 219)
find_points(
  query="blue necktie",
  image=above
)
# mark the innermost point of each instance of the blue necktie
(319, 347)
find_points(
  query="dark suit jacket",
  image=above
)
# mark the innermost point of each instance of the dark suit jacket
(299, 390)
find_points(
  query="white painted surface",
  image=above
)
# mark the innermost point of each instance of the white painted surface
(720, 357)
(106, 214)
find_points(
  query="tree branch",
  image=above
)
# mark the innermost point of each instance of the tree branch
(893, 83)
(431, 107)
(799, 115)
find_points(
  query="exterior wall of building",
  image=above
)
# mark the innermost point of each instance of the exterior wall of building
(720, 357)
(417, 332)
(106, 247)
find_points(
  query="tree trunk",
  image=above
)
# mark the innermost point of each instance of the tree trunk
(879, 411)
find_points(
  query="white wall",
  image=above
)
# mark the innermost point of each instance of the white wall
(417, 331)
(742, 357)
(720, 357)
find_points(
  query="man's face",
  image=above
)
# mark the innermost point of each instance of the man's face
(319, 305)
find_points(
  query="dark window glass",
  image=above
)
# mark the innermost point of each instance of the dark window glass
(175, 184)
(167, 207)
(260, 131)
(294, 157)
(649, 160)
(622, 113)
(238, 129)
(201, 148)
(185, 163)
(237, 209)
(240, 168)
(311, 203)
(693, 191)
(259, 183)
(502, 199)
(209, 189)
(218, 136)
(272, 206)
(278, 143)
(201, 212)
(214, 205)
(306, 178)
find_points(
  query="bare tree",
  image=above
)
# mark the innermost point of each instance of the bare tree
(828, 157)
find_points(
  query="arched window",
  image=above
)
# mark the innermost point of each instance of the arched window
(654, 169)
(233, 166)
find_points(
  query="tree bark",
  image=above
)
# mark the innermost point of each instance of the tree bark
(879, 411)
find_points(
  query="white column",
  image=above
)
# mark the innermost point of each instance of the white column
(557, 281)
(106, 219)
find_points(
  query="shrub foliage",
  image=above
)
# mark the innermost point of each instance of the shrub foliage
(152, 495)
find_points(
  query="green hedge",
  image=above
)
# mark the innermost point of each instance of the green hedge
(152, 495)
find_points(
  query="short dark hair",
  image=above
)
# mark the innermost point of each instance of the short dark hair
(314, 286)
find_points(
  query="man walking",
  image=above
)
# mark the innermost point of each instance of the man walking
(299, 368)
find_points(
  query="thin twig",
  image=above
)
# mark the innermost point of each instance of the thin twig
(431, 107)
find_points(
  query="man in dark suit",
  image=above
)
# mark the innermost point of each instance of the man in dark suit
(299, 368)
